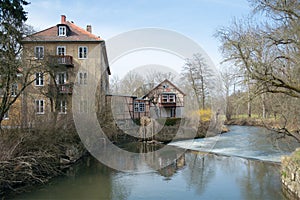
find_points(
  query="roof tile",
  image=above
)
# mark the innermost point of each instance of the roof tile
(51, 35)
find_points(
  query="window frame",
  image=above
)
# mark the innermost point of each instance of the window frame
(57, 78)
(139, 107)
(62, 31)
(39, 106)
(63, 107)
(14, 89)
(37, 53)
(6, 115)
(39, 79)
(164, 98)
(58, 52)
(83, 52)
(82, 78)
(173, 98)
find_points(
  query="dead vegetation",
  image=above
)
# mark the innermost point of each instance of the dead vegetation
(30, 157)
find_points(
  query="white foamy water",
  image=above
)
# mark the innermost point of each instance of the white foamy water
(242, 141)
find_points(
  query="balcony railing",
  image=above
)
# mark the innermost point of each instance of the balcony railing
(61, 60)
(61, 88)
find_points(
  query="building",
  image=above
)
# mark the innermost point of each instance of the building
(61, 57)
(163, 101)
(166, 100)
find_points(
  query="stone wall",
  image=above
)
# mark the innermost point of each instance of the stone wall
(290, 175)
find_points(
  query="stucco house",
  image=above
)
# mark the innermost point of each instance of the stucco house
(62, 56)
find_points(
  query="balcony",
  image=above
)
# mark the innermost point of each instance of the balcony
(61, 88)
(61, 61)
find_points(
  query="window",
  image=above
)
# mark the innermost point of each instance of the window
(61, 50)
(62, 31)
(39, 52)
(61, 78)
(139, 107)
(83, 106)
(39, 79)
(63, 107)
(82, 78)
(39, 106)
(168, 98)
(5, 116)
(172, 98)
(164, 98)
(82, 52)
(14, 89)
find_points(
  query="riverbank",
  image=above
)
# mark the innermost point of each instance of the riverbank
(279, 126)
(30, 157)
(290, 175)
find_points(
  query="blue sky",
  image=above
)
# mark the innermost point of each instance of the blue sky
(196, 19)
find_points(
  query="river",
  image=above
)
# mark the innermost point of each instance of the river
(240, 164)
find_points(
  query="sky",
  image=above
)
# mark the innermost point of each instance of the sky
(195, 19)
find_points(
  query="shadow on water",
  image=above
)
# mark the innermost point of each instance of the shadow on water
(194, 175)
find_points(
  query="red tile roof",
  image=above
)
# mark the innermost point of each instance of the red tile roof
(51, 35)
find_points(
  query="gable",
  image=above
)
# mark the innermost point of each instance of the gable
(165, 87)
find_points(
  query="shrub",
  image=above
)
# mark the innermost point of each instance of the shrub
(205, 115)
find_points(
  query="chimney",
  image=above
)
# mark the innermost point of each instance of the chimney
(63, 19)
(89, 28)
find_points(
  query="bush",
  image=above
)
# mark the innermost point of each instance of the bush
(205, 115)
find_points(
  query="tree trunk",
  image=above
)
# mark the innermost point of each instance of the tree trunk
(264, 114)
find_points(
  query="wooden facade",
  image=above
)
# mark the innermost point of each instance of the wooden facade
(163, 101)
(167, 101)
(128, 107)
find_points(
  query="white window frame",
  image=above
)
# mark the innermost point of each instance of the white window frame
(82, 78)
(60, 53)
(62, 31)
(6, 116)
(39, 79)
(139, 107)
(39, 52)
(82, 52)
(39, 106)
(63, 107)
(164, 98)
(142, 107)
(14, 89)
(172, 97)
(57, 78)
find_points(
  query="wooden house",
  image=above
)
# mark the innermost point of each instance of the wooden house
(166, 100)
(163, 101)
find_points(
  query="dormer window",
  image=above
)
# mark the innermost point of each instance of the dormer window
(62, 31)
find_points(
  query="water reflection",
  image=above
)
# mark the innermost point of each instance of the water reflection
(193, 176)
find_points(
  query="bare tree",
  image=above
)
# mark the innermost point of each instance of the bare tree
(14, 76)
(268, 54)
(131, 84)
(198, 74)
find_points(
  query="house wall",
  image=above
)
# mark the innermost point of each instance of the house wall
(164, 109)
(14, 115)
(94, 65)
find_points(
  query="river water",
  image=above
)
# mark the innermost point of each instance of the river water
(243, 164)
